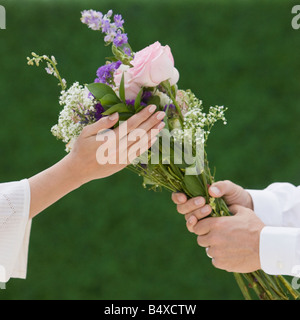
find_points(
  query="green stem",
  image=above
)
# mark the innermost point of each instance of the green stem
(57, 73)
(274, 285)
(242, 285)
(168, 88)
(287, 285)
(266, 287)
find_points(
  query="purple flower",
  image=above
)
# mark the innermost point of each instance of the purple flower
(118, 21)
(127, 51)
(171, 109)
(105, 26)
(92, 18)
(110, 37)
(98, 111)
(109, 13)
(113, 31)
(92, 116)
(105, 73)
(120, 39)
(130, 102)
(117, 64)
(146, 96)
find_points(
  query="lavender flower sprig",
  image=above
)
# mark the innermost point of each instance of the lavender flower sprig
(114, 32)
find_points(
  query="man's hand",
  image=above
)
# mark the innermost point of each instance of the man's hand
(231, 192)
(232, 242)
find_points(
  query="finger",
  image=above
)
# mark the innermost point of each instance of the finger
(179, 198)
(145, 142)
(102, 124)
(235, 208)
(191, 205)
(138, 133)
(135, 152)
(152, 121)
(204, 226)
(222, 188)
(203, 241)
(135, 121)
(200, 213)
(190, 224)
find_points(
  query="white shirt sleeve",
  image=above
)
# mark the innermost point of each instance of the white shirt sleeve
(15, 228)
(278, 206)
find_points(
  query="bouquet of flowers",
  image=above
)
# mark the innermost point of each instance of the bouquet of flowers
(128, 82)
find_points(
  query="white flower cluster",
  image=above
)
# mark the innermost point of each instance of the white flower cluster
(198, 124)
(164, 99)
(77, 102)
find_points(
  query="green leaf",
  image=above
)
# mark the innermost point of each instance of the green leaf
(148, 181)
(154, 100)
(140, 108)
(122, 89)
(117, 53)
(194, 186)
(99, 90)
(112, 59)
(138, 100)
(120, 107)
(125, 116)
(109, 99)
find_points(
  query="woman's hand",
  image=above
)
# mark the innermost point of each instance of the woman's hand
(99, 152)
(85, 162)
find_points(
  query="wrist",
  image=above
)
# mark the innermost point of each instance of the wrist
(73, 171)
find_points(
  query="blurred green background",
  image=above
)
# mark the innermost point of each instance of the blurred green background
(112, 239)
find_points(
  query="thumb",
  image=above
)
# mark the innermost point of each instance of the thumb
(235, 208)
(222, 188)
(102, 124)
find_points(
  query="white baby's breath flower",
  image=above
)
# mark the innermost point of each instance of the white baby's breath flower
(76, 101)
(196, 122)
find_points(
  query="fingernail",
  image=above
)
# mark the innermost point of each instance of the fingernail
(181, 198)
(161, 125)
(152, 108)
(113, 117)
(198, 202)
(160, 115)
(215, 191)
(205, 209)
(192, 220)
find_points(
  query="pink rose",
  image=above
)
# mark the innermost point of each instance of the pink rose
(153, 65)
(131, 88)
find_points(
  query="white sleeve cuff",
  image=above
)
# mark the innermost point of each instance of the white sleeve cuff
(280, 250)
(267, 207)
(14, 229)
